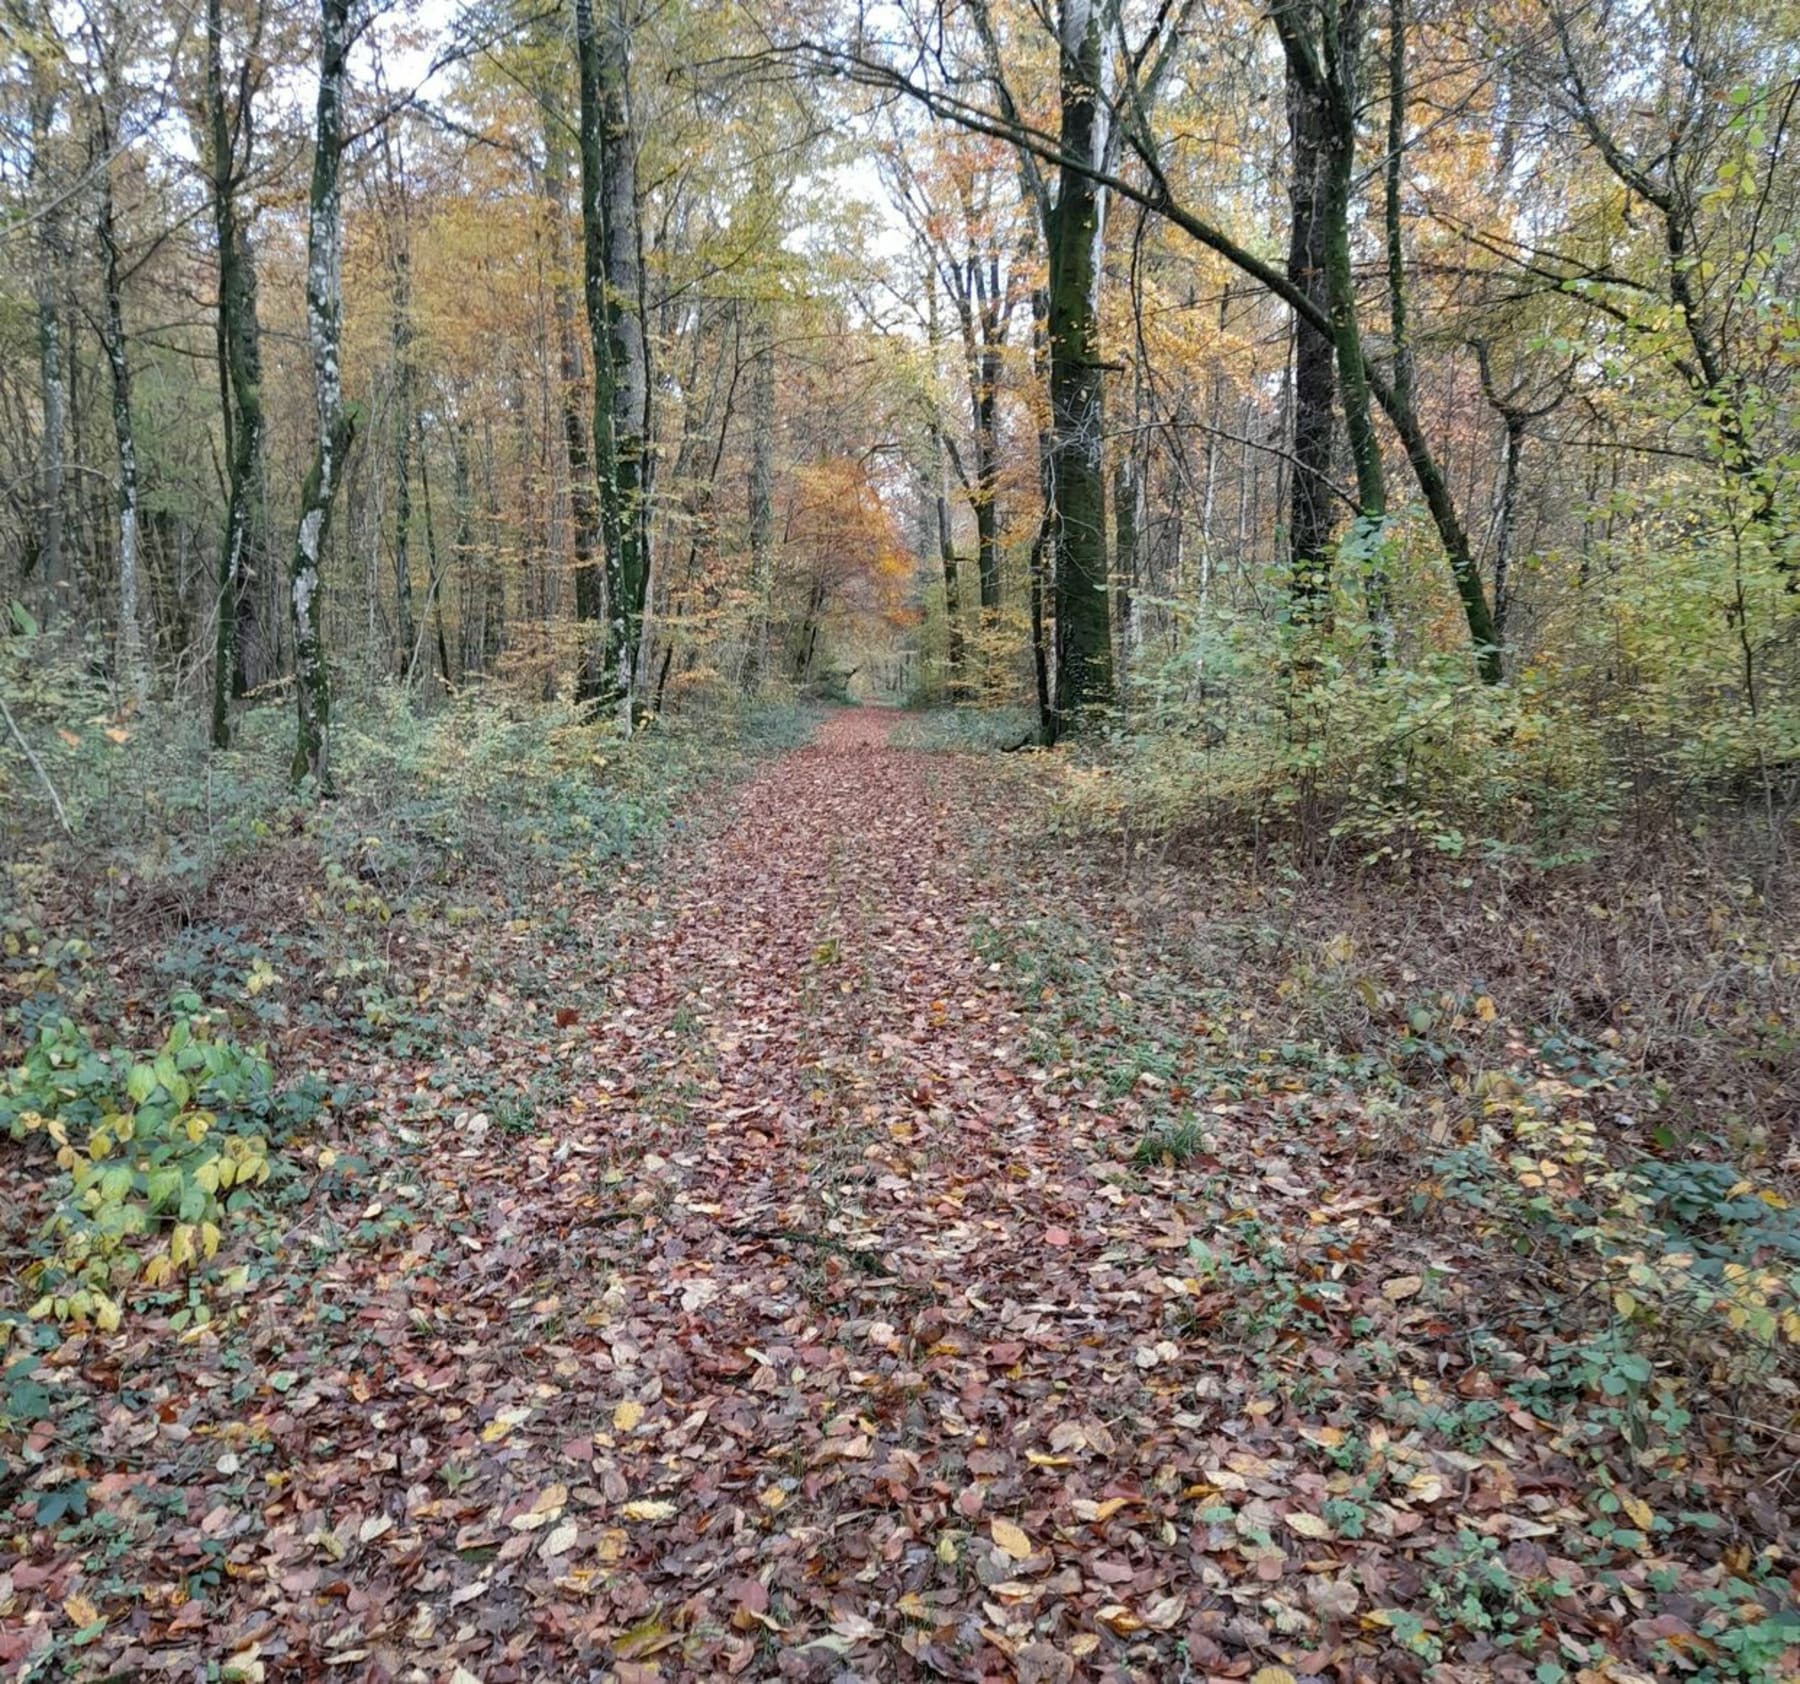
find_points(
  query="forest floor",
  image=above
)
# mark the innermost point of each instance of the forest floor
(877, 1289)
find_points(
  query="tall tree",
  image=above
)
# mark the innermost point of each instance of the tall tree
(240, 366)
(45, 191)
(336, 425)
(1310, 498)
(1322, 41)
(1075, 232)
(613, 275)
(107, 50)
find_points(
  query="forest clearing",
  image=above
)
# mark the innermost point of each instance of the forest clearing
(949, 843)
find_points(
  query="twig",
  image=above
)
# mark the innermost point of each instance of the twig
(867, 1261)
(43, 777)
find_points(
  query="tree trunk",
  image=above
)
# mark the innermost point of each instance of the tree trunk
(53, 388)
(132, 669)
(940, 495)
(613, 286)
(1084, 676)
(402, 335)
(1127, 497)
(434, 590)
(240, 371)
(324, 321)
(576, 415)
(1311, 516)
(762, 486)
(986, 316)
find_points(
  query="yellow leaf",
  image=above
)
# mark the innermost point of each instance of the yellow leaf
(1272, 1675)
(81, 1610)
(612, 1544)
(1401, 1286)
(209, 1238)
(1086, 1509)
(649, 1508)
(1010, 1539)
(1625, 1304)
(502, 1424)
(1310, 1525)
(1641, 1512)
(627, 1414)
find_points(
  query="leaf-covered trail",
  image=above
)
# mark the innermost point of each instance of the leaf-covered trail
(820, 1324)
(866, 1311)
(828, 1349)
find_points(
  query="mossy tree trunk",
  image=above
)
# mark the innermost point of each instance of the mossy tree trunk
(240, 379)
(613, 277)
(337, 428)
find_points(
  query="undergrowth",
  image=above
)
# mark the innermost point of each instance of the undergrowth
(184, 980)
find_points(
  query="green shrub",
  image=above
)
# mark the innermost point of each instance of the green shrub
(152, 1154)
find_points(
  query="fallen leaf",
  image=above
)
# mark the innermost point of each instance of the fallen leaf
(649, 1508)
(1010, 1539)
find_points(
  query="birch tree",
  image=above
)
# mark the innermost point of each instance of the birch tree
(336, 425)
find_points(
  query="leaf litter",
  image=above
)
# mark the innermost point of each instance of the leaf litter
(825, 1330)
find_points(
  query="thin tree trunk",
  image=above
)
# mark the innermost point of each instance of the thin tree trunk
(434, 590)
(577, 417)
(761, 487)
(1127, 498)
(133, 670)
(53, 389)
(940, 495)
(402, 335)
(240, 378)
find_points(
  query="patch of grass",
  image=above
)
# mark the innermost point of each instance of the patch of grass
(1173, 1140)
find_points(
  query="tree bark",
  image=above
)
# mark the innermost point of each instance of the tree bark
(240, 358)
(1311, 515)
(613, 287)
(132, 667)
(337, 429)
(940, 495)
(762, 486)
(401, 337)
(53, 391)
(1084, 669)
(577, 417)
(1323, 43)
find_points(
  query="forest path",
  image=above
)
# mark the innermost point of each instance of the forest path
(807, 1320)
(871, 1343)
